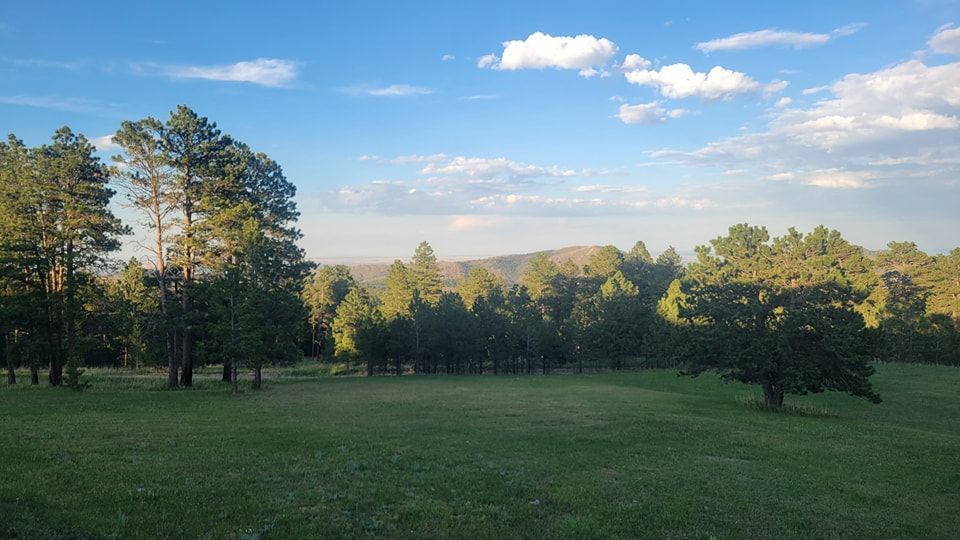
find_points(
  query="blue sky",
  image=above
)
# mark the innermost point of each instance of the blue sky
(502, 127)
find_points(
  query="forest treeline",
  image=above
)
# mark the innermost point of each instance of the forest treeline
(221, 281)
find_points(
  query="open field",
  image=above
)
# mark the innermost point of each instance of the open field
(604, 455)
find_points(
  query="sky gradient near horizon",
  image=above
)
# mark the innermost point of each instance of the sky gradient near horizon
(505, 127)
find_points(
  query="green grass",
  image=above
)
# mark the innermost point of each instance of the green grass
(591, 456)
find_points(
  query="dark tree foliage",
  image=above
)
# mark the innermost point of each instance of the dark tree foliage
(779, 315)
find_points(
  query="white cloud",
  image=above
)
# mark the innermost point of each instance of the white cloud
(72, 104)
(773, 36)
(849, 29)
(541, 203)
(540, 51)
(633, 62)
(393, 90)
(263, 71)
(480, 97)
(490, 169)
(907, 97)
(906, 116)
(606, 188)
(678, 81)
(783, 102)
(487, 61)
(447, 58)
(834, 178)
(647, 113)
(468, 187)
(104, 143)
(946, 40)
(814, 90)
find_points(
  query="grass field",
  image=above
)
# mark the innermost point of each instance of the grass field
(581, 456)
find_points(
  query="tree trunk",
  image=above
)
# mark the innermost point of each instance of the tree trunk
(11, 375)
(56, 370)
(172, 365)
(233, 377)
(399, 367)
(186, 374)
(225, 376)
(257, 378)
(369, 366)
(773, 395)
(34, 375)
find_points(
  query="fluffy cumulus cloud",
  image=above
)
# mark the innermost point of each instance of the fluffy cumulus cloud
(262, 71)
(472, 187)
(946, 40)
(878, 106)
(633, 62)
(584, 53)
(894, 125)
(647, 113)
(774, 37)
(678, 81)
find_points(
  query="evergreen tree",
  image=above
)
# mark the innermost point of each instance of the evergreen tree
(604, 262)
(355, 326)
(480, 284)
(194, 149)
(398, 295)
(425, 274)
(780, 315)
(322, 294)
(144, 172)
(944, 279)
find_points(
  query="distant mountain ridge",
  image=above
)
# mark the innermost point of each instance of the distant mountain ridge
(509, 267)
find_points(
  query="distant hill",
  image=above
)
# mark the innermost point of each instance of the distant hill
(509, 267)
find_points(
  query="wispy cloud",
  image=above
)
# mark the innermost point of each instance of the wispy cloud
(480, 97)
(393, 90)
(104, 143)
(43, 63)
(775, 37)
(71, 104)
(270, 72)
(472, 186)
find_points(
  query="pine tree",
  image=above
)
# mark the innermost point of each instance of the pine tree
(322, 294)
(145, 174)
(425, 274)
(780, 315)
(193, 148)
(480, 283)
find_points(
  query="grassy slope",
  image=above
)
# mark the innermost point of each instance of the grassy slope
(610, 455)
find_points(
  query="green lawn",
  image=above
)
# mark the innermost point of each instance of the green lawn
(605, 455)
